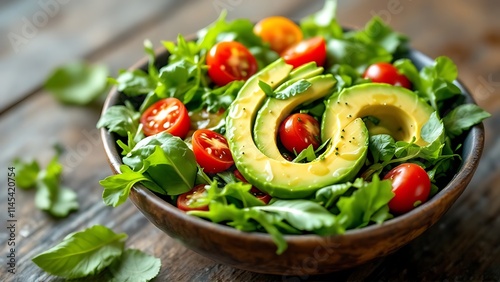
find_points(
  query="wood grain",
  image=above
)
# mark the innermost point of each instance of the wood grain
(463, 245)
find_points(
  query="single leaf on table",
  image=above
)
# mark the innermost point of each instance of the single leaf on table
(135, 266)
(82, 253)
(26, 173)
(77, 83)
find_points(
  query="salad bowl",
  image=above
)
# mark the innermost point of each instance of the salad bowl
(306, 254)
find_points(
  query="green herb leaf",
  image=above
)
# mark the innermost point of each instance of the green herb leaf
(382, 147)
(120, 119)
(135, 266)
(376, 31)
(301, 214)
(50, 197)
(359, 209)
(266, 88)
(173, 168)
(77, 83)
(82, 253)
(463, 118)
(26, 173)
(307, 154)
(323, 23)
(134, 83)
(294, 89)
(117, 187)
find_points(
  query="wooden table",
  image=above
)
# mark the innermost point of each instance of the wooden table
(464, 245)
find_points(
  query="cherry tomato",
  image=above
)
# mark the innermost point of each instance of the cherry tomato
(411, 186)
(211, 151)
(279, 32)
(167, 114)
(309, 50)
(298, 131)
(266, 198)
(228, 61)
(187, 201)
(386, 73)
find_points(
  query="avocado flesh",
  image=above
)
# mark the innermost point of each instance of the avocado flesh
(274, 111)
(341, 160)
(398, 111)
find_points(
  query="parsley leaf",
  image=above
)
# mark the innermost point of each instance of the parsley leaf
(26, 174)
(77, 83)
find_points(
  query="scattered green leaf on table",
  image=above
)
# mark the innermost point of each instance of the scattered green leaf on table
(135, 266)
(77, 83)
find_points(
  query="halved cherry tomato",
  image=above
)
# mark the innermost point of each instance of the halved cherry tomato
(266, 198)
(411, 186)
(309, 50)
(187, 201)
(298, 131)
(228, 61)
(279, 32)
(211, 151)
(167, 114)
(386, 73)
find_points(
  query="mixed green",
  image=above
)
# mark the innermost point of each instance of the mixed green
(289, 128)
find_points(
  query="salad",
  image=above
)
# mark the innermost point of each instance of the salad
(289, 128)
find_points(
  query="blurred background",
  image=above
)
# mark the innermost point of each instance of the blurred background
(36, 36)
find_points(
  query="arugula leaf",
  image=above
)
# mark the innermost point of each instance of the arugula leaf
(26, 173)
(135, 266)
(82, 253)
(173, 168)
(376, 31)
(434, 83)
(366, 204)
(328, 195)
(382, 147)
(50, 196)
(117, 187)
(134, 83)
(296, 88)
(77, 83)
(222, 97)
(307, 154)
(323, 23)
(463, 118)
(232, 191)
(120, 119)
(302, 214)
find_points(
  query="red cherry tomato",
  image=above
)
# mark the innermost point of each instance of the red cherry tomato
(266, 198)
(298, 131)
(211, 151)
(187, 201)
(411, 186)
(167, 114)
(279, 32)
(228, 61)
(309, 50)
(386, 73)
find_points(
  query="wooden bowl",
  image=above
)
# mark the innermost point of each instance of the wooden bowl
(306, 254)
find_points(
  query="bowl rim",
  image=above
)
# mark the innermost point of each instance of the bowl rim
(465, 172)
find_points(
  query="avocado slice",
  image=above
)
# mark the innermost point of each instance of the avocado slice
(386, 109)
(274, 111)
(341, 160)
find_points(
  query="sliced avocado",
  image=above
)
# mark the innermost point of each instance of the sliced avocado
(386, 109)
(306, 71)
(341, 160)
(274, 111)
